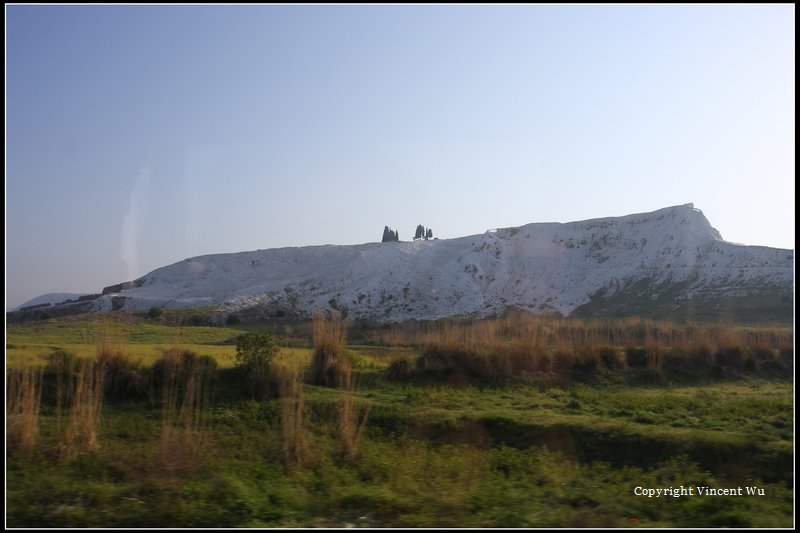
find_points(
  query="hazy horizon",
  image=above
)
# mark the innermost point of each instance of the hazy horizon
(138, 136)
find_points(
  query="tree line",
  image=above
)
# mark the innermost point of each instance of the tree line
(422, 232)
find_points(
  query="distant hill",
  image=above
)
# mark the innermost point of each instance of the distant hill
(669, 262)
(49, 299)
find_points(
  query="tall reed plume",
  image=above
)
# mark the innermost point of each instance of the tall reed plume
(350, 429)
(186, 381)
(84, 389)
(296, 451)
(24, 396)
(329, 363)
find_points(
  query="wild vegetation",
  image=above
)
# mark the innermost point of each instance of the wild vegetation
(517, 421)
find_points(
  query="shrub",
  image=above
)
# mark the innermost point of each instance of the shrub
(233, 319)
(636, 356)
(750, 363)
(677, 359)
(400, 369)
(562, 363)
(730, 357)
(198, 320)
(524, 358)
(763, 353)
(61, 367)
(655, 362)
(702, 357)
(457, 361)
(438, 357)
(610, 358)
(255, 353)
(155, 312)
(186, 382)
(586, 364)
(177, 367)
(123, 378)
(330, 365)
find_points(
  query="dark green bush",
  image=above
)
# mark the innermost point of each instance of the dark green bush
(702, 357)
(60, 360)
(198, 320)
(610, 358)
(123, 379)
(731, 357)
(586, 365)
(636, 356)
(525, 359)
(171, 374)
(488, 365)
(400, 369)
(255, 353)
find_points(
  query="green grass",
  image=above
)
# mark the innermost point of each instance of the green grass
(90, 329)
(477, 453)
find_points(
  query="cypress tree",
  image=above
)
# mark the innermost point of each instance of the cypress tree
(389, 235)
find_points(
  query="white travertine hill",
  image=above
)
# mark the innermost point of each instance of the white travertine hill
(541, 267)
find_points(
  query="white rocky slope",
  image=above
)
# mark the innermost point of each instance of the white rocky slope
(541, 267)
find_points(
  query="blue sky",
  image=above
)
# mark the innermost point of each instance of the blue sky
(137, 136)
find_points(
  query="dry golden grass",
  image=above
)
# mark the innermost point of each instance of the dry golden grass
(330, 364)
(296, 451)
(85, 390)
(570, 333)
(520, 344)
(186, 388)
(24, 396)
(350, 428)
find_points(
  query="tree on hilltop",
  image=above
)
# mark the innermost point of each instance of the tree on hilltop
(389, 235)
(423, 233)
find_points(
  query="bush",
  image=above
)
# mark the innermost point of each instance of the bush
(233, 319)
(198, 320)
(702, 357)
(524, 359)
(61, 361)
(437, 357)
(586, 365)
(636, 356)
(255, 353)
(677, 360)
(155, 312)
(179, 373)
(610, 357)
(123, 378)
(458, 360)
(330, 365)
(400, 369)
(731, 357)
(562, 363)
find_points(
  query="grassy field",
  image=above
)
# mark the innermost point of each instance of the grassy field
(513, 422)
